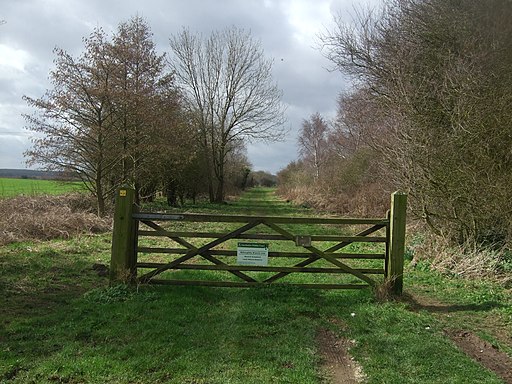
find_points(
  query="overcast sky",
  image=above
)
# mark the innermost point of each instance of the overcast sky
(288, 31)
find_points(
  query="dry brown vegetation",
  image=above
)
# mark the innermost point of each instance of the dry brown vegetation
(429, 114)
(26, 218)
(468, 260)
(370, 201)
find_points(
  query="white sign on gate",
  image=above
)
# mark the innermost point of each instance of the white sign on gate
(252, 254)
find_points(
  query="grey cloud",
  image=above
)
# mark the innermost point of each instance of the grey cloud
(37, 27)
(272, 157)
(12, 147)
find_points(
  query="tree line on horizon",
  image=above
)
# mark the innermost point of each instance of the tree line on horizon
(122, 113)
(430, 113)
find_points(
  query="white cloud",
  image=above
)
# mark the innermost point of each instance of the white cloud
(307, 18)
(13, 61)
(11, 153)
(287, 29)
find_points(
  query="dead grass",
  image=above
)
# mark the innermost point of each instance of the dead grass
(383, 293)
(26, 218)
(371, 201)
(466, 260)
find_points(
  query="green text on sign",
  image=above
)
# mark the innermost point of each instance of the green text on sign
(252, 254)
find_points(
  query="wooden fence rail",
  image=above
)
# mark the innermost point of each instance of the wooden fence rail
(191, 249)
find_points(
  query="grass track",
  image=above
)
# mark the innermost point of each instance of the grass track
(60, 323)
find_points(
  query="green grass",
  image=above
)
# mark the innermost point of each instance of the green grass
(60, 322)
(260, 201)
(32, 187)
(481, 306)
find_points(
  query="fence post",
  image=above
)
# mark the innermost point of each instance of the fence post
(396, 247)
(122, 260)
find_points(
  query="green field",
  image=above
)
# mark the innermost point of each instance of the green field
(60, 322)
(32, 187)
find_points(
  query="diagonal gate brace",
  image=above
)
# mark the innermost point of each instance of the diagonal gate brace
(207, 255)
(318, 254)
(198, 251)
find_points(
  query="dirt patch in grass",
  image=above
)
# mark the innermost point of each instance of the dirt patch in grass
(485, 353)
(337, 365)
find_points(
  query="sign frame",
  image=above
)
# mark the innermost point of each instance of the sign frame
(255, 254)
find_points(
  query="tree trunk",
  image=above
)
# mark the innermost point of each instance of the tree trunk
(219, 174)
(137, 193)
(170, 192)
(100, 199)
(211, 193)
(101, 205)
(209, 176)
(219, 195)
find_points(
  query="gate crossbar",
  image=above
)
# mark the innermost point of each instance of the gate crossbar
(206, 251)
(206, 254)
(334, 248)
(123, 266)
(320, 254)
(198, 251)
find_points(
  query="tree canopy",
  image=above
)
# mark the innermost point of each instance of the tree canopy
(228, 86)
(429, 113)
(434, 73)
(118, 113)
(108, 110)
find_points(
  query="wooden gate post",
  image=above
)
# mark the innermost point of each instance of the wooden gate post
(122, 262)
(396, 246)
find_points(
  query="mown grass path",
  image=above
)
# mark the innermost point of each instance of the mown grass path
(61, 323)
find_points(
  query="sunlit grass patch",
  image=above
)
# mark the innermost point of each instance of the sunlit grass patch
(32, 187)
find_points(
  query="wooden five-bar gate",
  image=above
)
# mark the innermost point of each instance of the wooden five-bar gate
(282, 247)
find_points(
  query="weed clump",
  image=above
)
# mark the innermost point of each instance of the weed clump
(468, 260)
(118, 294)
(28, 218)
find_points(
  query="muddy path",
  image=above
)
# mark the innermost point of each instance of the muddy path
(483, 352)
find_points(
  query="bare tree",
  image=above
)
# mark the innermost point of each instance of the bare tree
(229, 87)
(143, 92)
(313, 143)
(74, 119)
(433, 72)
(108, 113)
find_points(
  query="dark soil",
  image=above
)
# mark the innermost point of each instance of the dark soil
(337, 365)
(484, 352)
